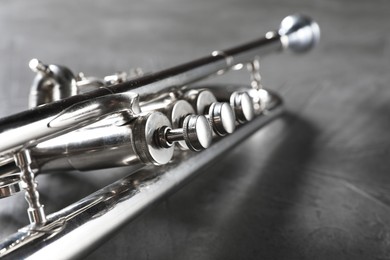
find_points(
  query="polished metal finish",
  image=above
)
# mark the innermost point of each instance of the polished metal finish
(220, 115)
(196, 133)
(254, 69)
(260, 98)
(9, 185)
(299, 33)
(242, 105)
(129, 124)
(51, 83)
(177, 112)
(35, 211)
(92, 218)
(238, 97)
(222, 118)
(87, 84)
(114, 142)
(288, 36)
(144, 130)
(86, 111)
(118, 77)
(201, 99)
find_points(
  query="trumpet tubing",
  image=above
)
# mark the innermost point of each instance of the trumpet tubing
(160, 125)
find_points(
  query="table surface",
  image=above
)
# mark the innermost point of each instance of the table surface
(314, 184)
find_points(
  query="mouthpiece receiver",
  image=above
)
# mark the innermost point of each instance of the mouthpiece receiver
(299, 33)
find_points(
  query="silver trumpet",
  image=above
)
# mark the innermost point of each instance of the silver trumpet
(160, 125)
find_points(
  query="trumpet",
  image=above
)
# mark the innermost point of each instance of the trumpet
(163, 126)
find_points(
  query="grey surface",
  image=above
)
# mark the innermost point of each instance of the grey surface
(313, 185)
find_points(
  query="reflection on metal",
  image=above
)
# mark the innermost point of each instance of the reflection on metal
(134, 121)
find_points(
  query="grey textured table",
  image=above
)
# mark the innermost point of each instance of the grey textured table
(312, 185)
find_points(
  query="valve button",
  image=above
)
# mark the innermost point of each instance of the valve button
(196, 133)
(222, 118)
(243, 106)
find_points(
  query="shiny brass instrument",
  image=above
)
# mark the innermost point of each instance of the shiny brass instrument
(159, 125)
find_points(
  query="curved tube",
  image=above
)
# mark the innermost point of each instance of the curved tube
(297, 33)
(92, 217)
(101, 214)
